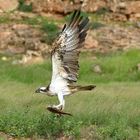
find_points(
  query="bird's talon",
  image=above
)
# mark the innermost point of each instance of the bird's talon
(57, 107)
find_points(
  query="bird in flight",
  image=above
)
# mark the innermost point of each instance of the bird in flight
(64, 55)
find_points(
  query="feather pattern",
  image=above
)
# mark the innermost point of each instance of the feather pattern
(65, 50)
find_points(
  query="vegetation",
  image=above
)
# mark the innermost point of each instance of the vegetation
(51, 29)
(102, 11)
(116, 67)
(111, 111)
(68, 17)
(96, 25)
(45, 24)
(23, 7)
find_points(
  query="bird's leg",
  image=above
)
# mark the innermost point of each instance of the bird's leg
(61, 105)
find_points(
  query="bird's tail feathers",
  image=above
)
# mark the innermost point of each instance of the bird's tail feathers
(89, 87)
(75, 88)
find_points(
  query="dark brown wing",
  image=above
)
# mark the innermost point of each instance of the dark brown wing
(66, 47)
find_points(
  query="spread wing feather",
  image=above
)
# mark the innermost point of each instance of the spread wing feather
(65, 51)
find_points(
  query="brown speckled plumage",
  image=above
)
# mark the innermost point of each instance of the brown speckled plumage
(64, 54)
(68, 43)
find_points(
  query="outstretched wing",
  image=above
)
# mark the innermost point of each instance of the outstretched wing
(65, 52)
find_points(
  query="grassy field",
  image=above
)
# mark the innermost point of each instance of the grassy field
(110, 112)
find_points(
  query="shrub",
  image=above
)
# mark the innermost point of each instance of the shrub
(23, 124)
(68, 17)
(102, 11)
(23, 7)
(51, 29)
(96, 25)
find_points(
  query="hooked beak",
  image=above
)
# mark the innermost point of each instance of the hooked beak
(37, 91)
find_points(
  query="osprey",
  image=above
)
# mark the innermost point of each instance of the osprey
(64, 55)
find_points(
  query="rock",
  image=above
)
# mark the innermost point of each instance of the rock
(93, 58)
(8, 5)
(115, 17)
(91, 42)
(63, 7)
(28, 2)
(134, 17)
(19, 38)
(93, 5)
(138, 66)
(31, 57)
(132, 7)
(97, 69)
(20, 27)
(1, 11)
(4, 58)
(128, 9)
(48, 6)
(125, 10)
(114, 37)
(137, 24)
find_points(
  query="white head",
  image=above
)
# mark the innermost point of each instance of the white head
(42, 90)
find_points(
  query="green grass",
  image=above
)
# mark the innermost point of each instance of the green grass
(118, 67)
(113, 113)
(110, 112)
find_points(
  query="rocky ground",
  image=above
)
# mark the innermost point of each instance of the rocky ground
(115, 25)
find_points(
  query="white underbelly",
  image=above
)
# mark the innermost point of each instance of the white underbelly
(59, 85)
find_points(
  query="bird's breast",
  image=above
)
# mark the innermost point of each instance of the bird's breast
(58, 85)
